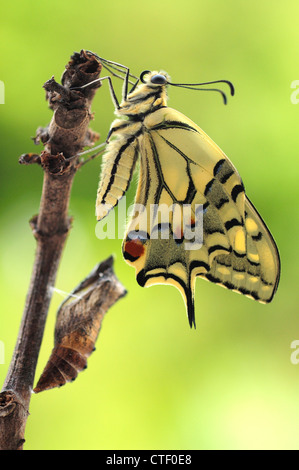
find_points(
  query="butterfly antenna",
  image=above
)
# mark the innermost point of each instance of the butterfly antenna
(193, 86)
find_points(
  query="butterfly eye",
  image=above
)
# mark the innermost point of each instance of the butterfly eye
(159, 79)
(146, 72)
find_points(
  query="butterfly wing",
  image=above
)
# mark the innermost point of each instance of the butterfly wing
(118, 166)
(182, 167)
(253, 266)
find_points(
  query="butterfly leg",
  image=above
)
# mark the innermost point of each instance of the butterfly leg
(116, 66)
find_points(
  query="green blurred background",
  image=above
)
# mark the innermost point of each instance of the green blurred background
(153, 383)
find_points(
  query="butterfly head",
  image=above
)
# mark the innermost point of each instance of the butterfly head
(154, 79)
(161, 79)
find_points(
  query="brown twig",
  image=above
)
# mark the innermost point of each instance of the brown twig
(66, 135)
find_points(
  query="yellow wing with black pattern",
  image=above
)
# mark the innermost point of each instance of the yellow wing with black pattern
(181, 167)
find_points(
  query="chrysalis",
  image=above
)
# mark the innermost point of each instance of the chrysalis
(78, 323)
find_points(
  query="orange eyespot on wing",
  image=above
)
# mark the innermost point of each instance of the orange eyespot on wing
(133, 249)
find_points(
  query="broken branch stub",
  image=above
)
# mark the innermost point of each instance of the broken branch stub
(68, 132)
(78, 323)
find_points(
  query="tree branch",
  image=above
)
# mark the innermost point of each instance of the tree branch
(66, 135)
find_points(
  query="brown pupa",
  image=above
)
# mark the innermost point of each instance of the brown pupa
(78, 323)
